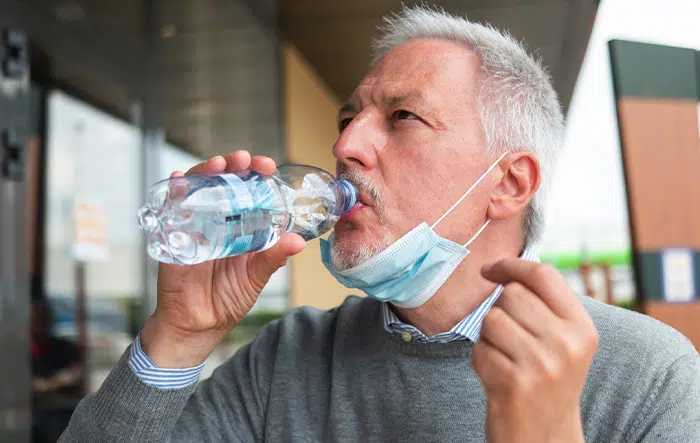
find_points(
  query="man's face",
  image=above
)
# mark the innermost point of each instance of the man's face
(411, 139)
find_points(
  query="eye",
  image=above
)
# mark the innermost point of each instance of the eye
(402, 114)
(343, 123)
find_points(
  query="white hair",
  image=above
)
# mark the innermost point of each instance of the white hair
(518, 106)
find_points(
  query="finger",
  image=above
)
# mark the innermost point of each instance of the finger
(262, 164)
(490, 363)
(506, 335)
(177, 191)
(528, 310)
(238, 161)
(542, 280)
(264, 264)
(214, 165)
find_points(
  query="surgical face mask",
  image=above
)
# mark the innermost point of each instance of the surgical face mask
(411, 270)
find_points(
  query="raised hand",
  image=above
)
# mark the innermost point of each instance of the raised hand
(533, 355)
(199, 304)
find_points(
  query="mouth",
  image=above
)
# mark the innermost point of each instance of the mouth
(362, 204)
(354, 212)
(365, 199)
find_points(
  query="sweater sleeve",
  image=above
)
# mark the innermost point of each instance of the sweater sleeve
(227, 407)
(672, 409)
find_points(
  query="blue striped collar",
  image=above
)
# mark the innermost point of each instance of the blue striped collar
(467, 329)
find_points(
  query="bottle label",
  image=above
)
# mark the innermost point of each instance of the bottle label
(238, 192)
(241, 199)
(247, 194)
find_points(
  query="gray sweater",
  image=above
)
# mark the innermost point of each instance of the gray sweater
(338, 376)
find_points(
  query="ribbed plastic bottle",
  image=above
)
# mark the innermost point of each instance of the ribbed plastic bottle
(196, 218)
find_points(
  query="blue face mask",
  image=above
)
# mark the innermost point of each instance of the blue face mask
(410, 271)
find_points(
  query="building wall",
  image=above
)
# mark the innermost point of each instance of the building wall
(310, 131)
(657, 97)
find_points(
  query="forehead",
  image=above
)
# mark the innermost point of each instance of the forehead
(423, 67)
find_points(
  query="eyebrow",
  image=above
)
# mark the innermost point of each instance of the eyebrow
(395, 100)
(347, 108)
(388, 101)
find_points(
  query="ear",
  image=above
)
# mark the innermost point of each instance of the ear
(520, 180)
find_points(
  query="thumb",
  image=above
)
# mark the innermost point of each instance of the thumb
(264, 264)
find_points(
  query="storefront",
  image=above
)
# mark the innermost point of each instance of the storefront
(83, 99)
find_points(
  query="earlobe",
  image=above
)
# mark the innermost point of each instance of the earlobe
(520, 181)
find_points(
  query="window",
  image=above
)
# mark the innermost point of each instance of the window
(93, 157)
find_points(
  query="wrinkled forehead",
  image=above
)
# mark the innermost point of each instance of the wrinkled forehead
(440, 69)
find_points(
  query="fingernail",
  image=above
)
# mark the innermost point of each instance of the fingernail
(487, 267)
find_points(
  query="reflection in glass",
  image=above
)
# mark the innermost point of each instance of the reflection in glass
(93, 157)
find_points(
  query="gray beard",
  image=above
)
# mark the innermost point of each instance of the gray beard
(346, 258)
(349, 257)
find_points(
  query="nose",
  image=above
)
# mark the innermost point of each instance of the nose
(358, 144)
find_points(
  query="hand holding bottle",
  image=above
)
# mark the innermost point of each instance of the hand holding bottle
(199, 304)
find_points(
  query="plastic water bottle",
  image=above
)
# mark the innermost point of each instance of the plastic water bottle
(197, 218)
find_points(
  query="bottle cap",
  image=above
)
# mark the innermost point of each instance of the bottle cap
(351, 195)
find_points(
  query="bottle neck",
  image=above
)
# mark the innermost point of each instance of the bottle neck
(350, 195)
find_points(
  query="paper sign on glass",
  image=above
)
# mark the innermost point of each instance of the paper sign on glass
(677, 274)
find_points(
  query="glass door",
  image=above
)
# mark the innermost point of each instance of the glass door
(17, 147)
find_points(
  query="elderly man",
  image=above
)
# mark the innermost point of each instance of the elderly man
(463, 335)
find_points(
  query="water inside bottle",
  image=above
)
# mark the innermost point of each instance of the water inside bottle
(190, 220)
(216, 218)
(249, 230)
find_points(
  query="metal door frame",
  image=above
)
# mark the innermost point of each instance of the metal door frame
(15, 416)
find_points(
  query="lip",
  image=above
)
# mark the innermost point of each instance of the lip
(354, 212)
(364, 198)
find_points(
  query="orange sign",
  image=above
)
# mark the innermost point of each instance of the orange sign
(90, 233)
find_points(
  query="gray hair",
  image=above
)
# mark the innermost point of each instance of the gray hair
(518, 106)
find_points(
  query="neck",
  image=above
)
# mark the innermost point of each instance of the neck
(464, 291)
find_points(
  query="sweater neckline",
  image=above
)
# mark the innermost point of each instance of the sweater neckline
(394, 342)
(453, 349)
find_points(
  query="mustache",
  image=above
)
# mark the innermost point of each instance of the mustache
(365, 184)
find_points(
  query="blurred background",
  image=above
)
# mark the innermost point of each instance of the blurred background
(100, 98)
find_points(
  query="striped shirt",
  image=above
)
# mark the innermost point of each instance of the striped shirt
(467, 329)
(149, 373)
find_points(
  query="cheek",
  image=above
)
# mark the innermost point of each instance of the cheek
(425, 193)
(421, 173)
(413, 201)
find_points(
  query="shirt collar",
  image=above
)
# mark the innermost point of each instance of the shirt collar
(467, 329)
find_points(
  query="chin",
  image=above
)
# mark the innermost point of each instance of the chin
(351, 247)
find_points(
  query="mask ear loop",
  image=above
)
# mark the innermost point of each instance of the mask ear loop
(481, 229)
(479, 180)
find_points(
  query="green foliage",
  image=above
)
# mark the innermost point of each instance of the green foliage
(573, 260)
(250, 325)
(630, 304)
